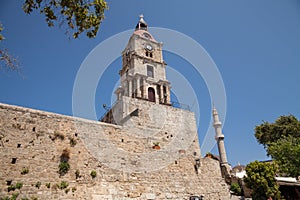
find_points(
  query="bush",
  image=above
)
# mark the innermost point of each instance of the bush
(25, 170)
(14, 196)
(93, 174)
(38, 184)
(19, 185)
(77, 174)
(73, 141)
(11, 188)
(67, 190)
(48, 185)
(236, 189)
(64, 167)
(63, 185)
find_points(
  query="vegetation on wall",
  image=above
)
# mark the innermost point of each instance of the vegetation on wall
(93, 174)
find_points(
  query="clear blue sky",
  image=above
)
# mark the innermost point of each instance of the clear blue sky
(255, 45)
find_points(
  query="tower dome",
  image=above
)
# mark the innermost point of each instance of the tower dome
(142, 25)
(141, 29)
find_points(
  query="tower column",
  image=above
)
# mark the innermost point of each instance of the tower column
(162, 96)
(130, 88)
(138, 88)
(144, 89)
(168, 95)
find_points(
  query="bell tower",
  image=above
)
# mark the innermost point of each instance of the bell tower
(143, 73)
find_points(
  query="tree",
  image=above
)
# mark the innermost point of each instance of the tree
(286, 153)
(281, 140)
(7, 61)
(267, 133)
(76, 16)
(261, 179)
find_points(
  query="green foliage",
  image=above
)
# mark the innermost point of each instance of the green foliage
(38, 184)
(261, 179)
(19, 185)
(267, 133)
(11, 188)
(25, 170)
(73, 141)
(236, 189)
(64, 167)
(93, 174)
(281, 139)
(77, 15)
(156, 143)
(14, 196)
(74, 189)
(1, 29)
(62, 185)
(48, 185)
(77, 174)
(67, 190)
(286, 153)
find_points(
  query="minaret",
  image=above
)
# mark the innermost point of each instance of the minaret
(220, 142)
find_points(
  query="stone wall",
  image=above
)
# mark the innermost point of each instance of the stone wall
(33, 143)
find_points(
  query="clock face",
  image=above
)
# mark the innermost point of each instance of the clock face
(149, 47)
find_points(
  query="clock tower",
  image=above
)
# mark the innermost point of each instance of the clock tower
(143, 73)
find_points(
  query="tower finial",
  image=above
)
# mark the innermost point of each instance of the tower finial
(142, 24)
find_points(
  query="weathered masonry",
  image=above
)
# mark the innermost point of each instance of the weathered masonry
(143, 149)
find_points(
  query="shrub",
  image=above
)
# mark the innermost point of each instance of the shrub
(14, 196)
(73, 141)
(236, 189)
(25, 170)
(38, 184)
(11, 188)
(67, 190)
(74, 189)
(63, 185)
(77, 174)
(48, 185)
(93, 174)
(64, 167)
(19, 185)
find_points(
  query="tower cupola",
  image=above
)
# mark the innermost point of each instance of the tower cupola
(142, 25)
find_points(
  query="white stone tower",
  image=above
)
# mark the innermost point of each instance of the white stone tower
(225, 168)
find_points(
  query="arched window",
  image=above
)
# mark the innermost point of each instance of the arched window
(151, 94)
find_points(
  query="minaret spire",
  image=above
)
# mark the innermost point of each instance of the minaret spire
(220, 142)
